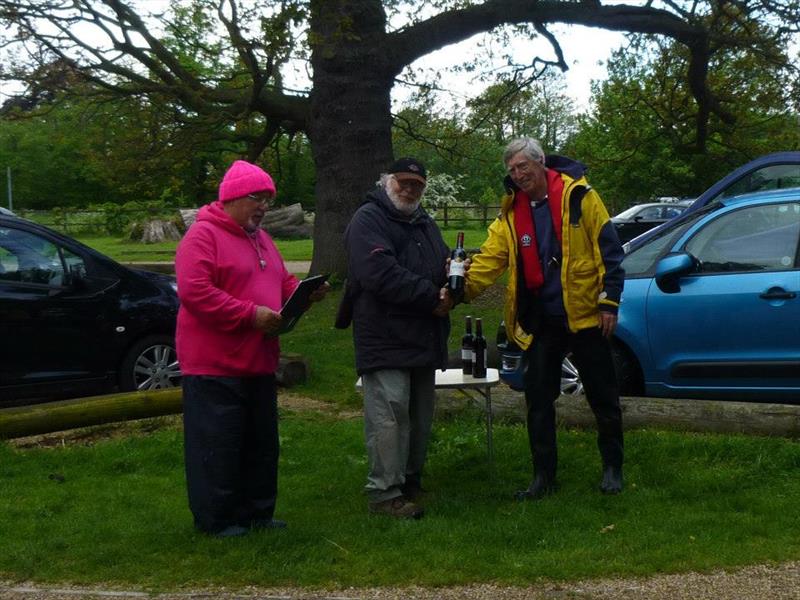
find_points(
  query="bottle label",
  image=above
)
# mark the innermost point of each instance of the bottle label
(456, 268)
(466, 354)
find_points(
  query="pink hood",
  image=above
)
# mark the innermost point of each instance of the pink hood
(220, 284)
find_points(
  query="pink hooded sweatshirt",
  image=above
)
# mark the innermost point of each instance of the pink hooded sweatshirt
(220, 284)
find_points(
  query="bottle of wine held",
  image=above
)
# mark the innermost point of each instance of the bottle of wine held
(467, 348)
(455, 277)
(479, 344)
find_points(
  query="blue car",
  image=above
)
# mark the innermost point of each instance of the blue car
(774, 171)
(711, 307)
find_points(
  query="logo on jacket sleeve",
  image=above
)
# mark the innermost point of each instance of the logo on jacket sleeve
(525, 240)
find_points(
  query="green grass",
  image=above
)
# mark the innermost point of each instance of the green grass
(692, 502)
(124, 250)
(329, 351)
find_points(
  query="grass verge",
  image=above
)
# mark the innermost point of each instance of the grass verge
(115, 512)
(125, 250)
(330, 354)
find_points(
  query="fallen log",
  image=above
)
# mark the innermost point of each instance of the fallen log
(83, 412)
(287, 222)
(292, 369)
(48, 417)
(717, 416)
(157, 231)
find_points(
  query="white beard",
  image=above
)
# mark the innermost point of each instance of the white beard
(403, 207)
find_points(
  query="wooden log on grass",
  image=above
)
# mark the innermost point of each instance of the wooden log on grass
(82, 412)
(280, 222)
(717, 416)
(48, 417)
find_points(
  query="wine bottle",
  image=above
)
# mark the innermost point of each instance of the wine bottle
(455, 277)
(467, 348)
(479, 344)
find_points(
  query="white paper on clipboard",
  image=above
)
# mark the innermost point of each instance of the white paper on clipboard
(298, 302)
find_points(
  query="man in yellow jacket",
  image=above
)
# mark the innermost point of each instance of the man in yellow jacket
(554, 237)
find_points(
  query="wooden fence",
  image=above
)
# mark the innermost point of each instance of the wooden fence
(465, 214)
(73, 221)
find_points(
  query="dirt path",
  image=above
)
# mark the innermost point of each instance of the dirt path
(762, 582)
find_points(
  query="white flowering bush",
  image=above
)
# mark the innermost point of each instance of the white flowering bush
(443, 190)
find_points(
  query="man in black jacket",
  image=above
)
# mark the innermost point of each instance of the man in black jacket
(400, 326)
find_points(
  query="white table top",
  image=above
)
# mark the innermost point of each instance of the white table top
(455, 378)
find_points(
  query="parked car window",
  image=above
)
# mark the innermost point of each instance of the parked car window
(756, 238)
(642, 260)
(651, 212)
(28, 258)
(773, 177)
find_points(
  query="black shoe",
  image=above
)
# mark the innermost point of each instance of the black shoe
(398, 507)
(232, 531)
(268, 524)
(539, 488)
(612, 480)
(412, 491)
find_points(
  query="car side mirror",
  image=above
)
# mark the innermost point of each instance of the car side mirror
(77, 276)
(671, 268)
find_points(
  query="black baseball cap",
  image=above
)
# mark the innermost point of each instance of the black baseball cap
(408, 168)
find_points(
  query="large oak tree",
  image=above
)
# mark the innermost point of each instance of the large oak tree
(354, 56)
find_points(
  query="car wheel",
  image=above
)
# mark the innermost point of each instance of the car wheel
(151, 364)
(571, 384)
(629, 375)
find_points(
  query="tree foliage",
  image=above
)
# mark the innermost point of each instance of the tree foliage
(640, 136)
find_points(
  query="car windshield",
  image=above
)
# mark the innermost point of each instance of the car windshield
(629, 212)
(642, 260)
(771, 177)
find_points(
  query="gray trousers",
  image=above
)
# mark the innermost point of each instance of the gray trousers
(398, 413)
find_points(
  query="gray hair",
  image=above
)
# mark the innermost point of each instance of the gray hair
(383, 180)
(530, 147)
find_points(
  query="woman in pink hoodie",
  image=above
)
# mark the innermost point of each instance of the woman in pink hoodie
(232, 283)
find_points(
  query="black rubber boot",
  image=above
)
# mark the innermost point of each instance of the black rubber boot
(612, 480)
(539, 488)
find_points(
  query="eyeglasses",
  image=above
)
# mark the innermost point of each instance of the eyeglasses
(522, 167)
(411, 184)
(262, 199)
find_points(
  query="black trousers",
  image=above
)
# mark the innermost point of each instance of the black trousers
(231, 449)
(591, 354)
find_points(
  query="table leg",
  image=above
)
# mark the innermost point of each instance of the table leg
(489, 441)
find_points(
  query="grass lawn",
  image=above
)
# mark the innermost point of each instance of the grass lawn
(124, 250)
(329, 351)
(115, 512)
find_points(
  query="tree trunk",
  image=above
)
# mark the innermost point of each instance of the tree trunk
(158, 231)
(350, 121)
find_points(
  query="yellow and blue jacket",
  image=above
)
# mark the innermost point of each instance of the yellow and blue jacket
(591, 274)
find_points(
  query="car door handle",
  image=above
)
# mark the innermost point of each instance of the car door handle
(777, 294)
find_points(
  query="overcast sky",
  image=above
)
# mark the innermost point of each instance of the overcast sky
(585, 49)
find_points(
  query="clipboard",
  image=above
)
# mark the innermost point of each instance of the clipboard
(298, 302)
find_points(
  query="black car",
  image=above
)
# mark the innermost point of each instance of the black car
(73, 322)
(638, 219)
